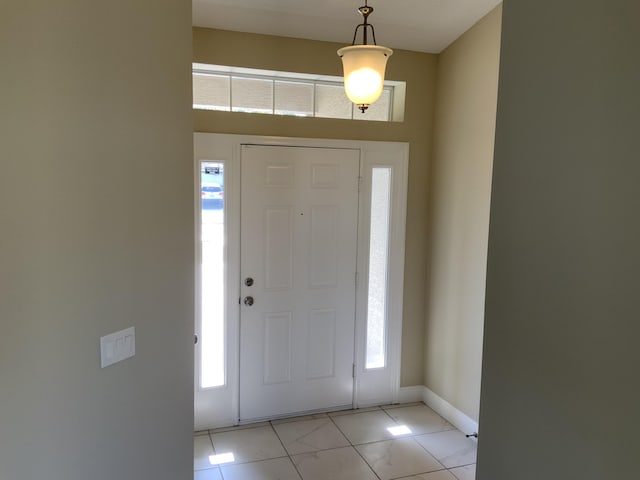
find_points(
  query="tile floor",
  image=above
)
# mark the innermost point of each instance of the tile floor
(347, 445)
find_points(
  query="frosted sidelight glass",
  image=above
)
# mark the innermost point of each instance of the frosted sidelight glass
(378, 267)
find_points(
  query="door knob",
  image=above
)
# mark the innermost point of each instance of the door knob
(248, 301)
(248, 281)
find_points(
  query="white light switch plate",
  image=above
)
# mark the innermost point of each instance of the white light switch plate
(117, 346)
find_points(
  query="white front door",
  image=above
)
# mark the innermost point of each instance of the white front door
(299, 225)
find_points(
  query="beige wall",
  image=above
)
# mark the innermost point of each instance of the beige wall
(464, 128)
(560, 383)
(96, 235)
(295, 55)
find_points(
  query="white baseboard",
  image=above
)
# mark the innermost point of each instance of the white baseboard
(443, 408)
(411, 394)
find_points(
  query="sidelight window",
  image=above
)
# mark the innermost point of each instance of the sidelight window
(378, 267)
(212, 268)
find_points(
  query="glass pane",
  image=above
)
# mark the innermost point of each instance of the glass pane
(211, 92)
(253, 95)
(212, 344)
(378, 110)
(294, 98)
(332, 102)
(378, 266)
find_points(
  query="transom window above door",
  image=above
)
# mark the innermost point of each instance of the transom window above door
(234, 89)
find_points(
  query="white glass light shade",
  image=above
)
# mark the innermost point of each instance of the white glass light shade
(364, 67)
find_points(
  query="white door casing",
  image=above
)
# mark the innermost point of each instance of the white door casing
(299, 217)
(220, 406)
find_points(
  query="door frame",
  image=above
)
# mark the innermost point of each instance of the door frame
(371, 386)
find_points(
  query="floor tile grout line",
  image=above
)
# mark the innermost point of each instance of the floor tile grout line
(444, 468)
(286, 451)
(337, 448)
(342, 433)
(389, 415)
(456, 476)
(429, 452)
(423, 473)
(256, 461)
(409, 435)
(356, 450)
(354, 446)
(367, 463)
(213, 447)
(238, 428)
(366, 443)
(351, 445)
(434, 455)
(252, 461)
(462, 466)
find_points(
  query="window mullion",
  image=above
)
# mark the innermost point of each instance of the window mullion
(291, 94)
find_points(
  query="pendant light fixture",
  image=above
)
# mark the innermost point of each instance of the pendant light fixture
(364, 65)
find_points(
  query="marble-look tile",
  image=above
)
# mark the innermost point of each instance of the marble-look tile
(451, 448)
(398, 458)
(419, 418)
(249, 445)
(439, 475)
(339, 464)
(314, 416)
(202, 448)
(468, 472)
(259, 454)
(274, 469)
(310, 435)
(209, 474)
(365, 427)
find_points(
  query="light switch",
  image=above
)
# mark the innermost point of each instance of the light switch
(117, 346)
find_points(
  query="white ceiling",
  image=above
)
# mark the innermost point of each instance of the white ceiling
(421, 25)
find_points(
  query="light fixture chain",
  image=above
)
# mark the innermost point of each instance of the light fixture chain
(365, 11)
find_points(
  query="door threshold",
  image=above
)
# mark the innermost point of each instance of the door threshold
(295, 415)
